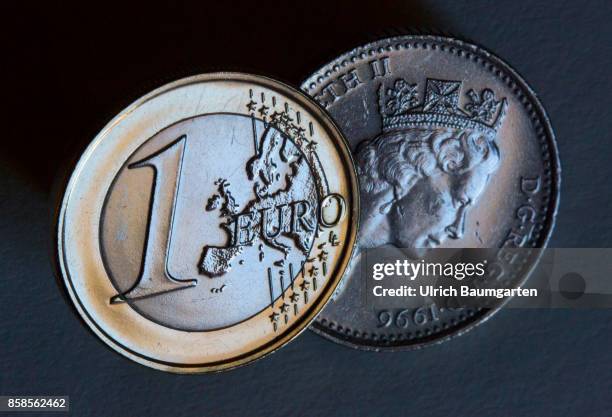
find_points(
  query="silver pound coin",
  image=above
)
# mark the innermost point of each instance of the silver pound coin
(453, 150)
(208, 223)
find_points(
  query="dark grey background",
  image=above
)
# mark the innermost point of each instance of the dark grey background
(72, 67)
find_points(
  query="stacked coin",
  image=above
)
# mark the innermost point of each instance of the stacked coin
(452, 150)
(211, 221)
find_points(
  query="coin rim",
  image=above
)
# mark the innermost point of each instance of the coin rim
(370, 49)
(345, 154)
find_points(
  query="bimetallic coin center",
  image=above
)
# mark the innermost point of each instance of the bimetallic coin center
(216, 206)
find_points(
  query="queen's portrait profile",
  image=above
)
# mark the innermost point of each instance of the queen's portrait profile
(429, 165)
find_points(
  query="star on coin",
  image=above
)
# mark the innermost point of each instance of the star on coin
(263, 110)
(274, 316)
(305, 285)
(312, 146)
(251, 105)
(284, 308)
(295, 297)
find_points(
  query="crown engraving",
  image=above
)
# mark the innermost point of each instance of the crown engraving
(400, 107)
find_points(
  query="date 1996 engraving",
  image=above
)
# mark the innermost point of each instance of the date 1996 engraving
(406, 317)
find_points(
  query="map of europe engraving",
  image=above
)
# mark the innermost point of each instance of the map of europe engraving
(282, 214)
